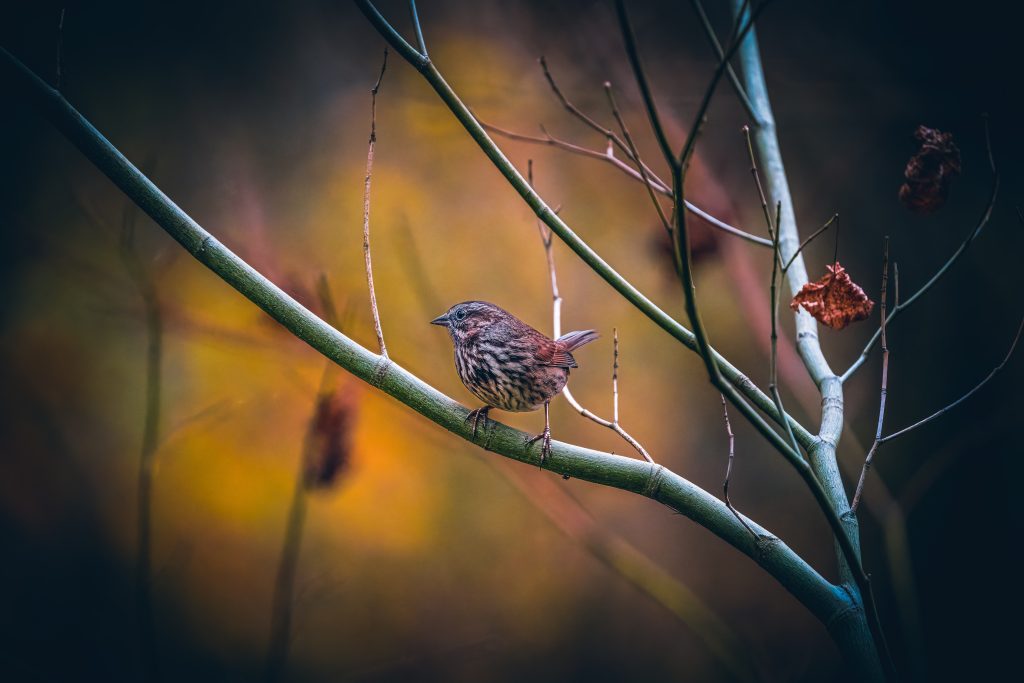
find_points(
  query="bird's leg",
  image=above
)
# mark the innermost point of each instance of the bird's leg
(544, 437)
(475, 416)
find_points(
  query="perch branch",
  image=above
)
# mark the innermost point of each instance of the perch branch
(830, 604)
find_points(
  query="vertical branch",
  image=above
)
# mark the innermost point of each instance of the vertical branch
(150, 435)
(615, 375)
(885, 383)
(366, 203)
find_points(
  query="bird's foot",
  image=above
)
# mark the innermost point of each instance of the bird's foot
(545, 445)
(476, 415)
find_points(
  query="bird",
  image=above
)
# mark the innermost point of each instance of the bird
(509, 365)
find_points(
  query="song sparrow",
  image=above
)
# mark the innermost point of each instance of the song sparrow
(507, 364)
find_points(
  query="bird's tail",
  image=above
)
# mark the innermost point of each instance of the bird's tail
(573, 340)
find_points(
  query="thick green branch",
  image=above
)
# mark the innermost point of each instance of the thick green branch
(832, 605)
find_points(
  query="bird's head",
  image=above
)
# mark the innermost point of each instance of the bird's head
(464, 321)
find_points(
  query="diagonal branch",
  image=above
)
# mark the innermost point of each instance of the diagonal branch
(830, 604)
(995, 371)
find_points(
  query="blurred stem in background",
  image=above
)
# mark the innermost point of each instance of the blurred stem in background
(323, 459)
(143, 281)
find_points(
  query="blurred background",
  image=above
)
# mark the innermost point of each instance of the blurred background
(426, 558)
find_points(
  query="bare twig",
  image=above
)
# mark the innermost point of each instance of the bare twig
(986, 214)
(659, 186)
(728, 469)
(60, 47)
(150, 439)
(734, 80)
(556, 329)
(776, 235)
(614, 141)
(366, 205)
(635, 155)
(885, 384)
(810, 239)
(966, 396)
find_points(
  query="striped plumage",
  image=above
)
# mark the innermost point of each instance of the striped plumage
(506, 363)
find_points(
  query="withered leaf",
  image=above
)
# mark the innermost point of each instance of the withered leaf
(930, 171)
(834, 300)
(329, 441)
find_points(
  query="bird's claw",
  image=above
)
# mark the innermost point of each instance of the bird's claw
(475, 416)
(545, 446)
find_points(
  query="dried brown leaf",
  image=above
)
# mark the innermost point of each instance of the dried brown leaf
(834, 300)
(930, 171)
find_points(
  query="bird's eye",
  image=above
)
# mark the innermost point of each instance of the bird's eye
(460, 314)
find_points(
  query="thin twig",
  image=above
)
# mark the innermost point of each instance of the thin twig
(366, 205)
(556, 328)
(60, 47)
(963, 398)
(728, 469)
(635, 155)
(150, 438)
(819, 231)
(709, 31)
(885, 383)
(773, 363)
(418, 28)
(986, 214)
(618, 163)
(776, 235)
(740, 31)
(645, 89)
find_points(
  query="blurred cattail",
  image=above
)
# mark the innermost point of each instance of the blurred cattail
(329, 440)
(929, 172)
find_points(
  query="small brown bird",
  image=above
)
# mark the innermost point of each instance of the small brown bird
(507, 364)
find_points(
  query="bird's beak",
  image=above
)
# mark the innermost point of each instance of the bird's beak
(440, 320)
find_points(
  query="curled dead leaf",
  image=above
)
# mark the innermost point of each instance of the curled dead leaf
(834, 300)
(329, 442)
(930, 171)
